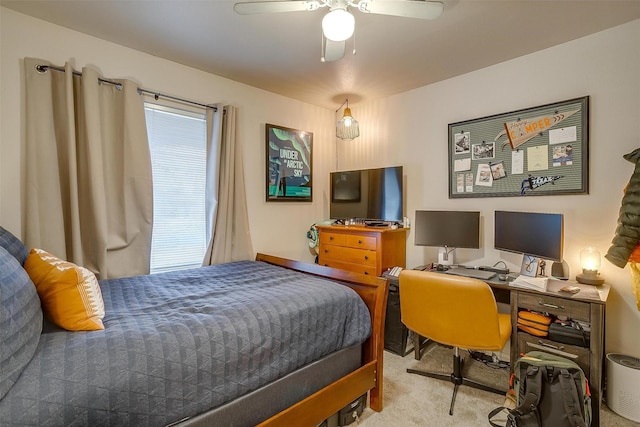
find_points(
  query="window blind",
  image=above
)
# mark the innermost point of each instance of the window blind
(177, 142)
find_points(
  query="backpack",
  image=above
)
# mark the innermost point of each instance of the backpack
(550, 391)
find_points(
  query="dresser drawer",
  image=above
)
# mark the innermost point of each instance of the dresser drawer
(342, 265)
(361, 242)
(580, 355)
(350, 255)
(332, 239)
(558, 306)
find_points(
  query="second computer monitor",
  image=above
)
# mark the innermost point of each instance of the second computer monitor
(531, 233)
(535, 235)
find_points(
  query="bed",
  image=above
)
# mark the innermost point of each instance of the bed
(260, 325)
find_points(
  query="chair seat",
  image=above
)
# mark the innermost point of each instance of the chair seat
(504, 330)
(504, 323)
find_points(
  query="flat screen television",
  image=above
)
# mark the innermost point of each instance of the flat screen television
(367, 194)
(539, 235)
(448, 230)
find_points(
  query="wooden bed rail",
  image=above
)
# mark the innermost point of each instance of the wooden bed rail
(324, 403)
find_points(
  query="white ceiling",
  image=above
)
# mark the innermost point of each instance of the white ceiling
(281, 52)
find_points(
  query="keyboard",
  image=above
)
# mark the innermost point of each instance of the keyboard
(470, 272)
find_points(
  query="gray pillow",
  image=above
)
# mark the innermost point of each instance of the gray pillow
(20, 320)
(13, 245)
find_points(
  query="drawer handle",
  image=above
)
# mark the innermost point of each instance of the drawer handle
(359, 241)
(555, 347)
(552, 350)
(366, 273)
(326, 265)
(557, 307)
(366, 257)
(330, 237)
(326, 251)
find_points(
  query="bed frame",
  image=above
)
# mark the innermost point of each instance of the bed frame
(329, 400)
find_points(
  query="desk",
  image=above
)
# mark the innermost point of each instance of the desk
(588, 305)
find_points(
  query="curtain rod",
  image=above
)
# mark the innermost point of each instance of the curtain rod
(141, 91)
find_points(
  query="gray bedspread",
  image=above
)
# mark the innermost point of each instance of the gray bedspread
(178, 344)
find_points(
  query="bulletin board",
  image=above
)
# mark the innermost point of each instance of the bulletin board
(536, 151)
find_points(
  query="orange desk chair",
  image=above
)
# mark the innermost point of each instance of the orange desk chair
(452, 310)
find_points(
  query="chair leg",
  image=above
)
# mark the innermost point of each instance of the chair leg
(456, 378)
(480, 386)
(453, 398)
(436, 375)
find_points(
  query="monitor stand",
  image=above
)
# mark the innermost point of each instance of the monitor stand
(445, 256)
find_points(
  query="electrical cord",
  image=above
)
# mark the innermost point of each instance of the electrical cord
(501, 262)
(491, 361)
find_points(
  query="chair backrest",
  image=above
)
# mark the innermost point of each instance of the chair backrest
(452, 310)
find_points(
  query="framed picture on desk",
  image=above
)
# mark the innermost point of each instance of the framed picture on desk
(529, 266)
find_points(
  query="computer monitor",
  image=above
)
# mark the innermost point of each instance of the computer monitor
(535, 235)
(448, 230)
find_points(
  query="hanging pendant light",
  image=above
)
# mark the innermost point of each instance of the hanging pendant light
(347, 128)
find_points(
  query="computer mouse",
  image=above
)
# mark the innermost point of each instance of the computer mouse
(502, 277)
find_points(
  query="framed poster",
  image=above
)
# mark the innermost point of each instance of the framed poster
(537, 151)
(289, 164)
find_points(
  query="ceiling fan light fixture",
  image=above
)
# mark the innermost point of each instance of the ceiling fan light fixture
(347, 128)
(338, 25)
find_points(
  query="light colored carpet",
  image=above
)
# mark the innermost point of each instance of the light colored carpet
(415, 400)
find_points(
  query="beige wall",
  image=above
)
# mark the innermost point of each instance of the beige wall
(278, 228)
(411, 130)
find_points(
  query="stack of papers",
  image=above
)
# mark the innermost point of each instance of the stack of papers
(526, 282)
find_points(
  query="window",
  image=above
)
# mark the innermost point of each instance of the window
(177, 141)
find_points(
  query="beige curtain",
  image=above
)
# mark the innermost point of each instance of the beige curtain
(228, 232)
(88, 193)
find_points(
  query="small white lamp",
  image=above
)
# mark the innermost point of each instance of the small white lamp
(590, 263)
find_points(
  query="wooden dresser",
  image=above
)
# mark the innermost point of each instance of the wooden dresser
(366, 250)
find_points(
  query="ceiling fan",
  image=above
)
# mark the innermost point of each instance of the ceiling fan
(338, 24)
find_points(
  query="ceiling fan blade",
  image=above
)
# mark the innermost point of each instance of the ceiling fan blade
(333, 51)
(406, 8)
(249, 8)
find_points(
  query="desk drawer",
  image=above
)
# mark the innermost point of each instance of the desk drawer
(580, 355)
(559, 306)
(356, 256)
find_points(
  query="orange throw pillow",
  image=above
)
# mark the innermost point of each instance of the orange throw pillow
(70, 294)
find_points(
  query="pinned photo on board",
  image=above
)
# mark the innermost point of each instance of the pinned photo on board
(562, 155)
(482, 151)
(497, 170)
(462, 142)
